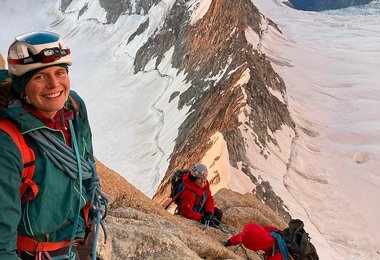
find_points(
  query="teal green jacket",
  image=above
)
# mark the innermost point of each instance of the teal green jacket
(50, 216)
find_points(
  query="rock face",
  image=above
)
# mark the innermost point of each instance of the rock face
(2, 62)
(138, 228)
(320, 5)
(214, 54)
(115, 8)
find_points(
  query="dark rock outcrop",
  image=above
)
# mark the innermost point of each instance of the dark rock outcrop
(65, 4)
(115, 8)
(320, 5)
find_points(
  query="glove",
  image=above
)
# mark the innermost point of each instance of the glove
(206, 217)
(227, 243)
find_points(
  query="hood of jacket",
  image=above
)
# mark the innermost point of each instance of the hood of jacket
(192, 186)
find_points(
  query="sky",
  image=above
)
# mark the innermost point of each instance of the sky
(329, 62)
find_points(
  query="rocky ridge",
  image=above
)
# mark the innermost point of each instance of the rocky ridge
(214, 53)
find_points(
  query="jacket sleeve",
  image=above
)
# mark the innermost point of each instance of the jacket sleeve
(236, 239)
(10, 200)
(187, 205)
(255, 237)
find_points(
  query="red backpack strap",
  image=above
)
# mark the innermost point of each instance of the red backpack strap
(75, 105)
(28, 160)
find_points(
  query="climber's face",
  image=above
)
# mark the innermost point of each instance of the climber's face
(201, 182)
(48, 90)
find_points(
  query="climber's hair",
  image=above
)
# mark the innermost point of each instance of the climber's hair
(5, 93)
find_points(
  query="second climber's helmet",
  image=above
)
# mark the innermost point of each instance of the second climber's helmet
(199, 170)
(36, 50)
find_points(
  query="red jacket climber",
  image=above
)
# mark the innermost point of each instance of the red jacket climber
(196, 199)
(256, 237)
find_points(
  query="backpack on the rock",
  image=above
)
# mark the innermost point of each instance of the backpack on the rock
(176, 186)
(295, 241)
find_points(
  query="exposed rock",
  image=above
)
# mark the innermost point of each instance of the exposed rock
(265, 193)
(139, 30)
(320, 5)
(83, 10)
(169, 35)
(115, 8)
(65, 4)
(2, 62)
(138, 228)
(360, 157)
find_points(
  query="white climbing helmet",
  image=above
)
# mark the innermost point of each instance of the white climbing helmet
(36, 50)
(199, 170)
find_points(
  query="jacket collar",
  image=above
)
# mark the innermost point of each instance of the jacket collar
(28, 120)
(192, 186)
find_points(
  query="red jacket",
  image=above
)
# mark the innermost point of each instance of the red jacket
(191, 196)
(256, 237)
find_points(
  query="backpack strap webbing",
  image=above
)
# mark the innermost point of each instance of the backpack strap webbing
(203, 199)
(175, 197)
(28, 160)
(74, 104)
(281, 245)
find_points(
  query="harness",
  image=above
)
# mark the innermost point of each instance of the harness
(25, 243)
(201, 202)
(198, 207)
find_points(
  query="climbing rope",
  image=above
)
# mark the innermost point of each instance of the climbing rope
(69, 160)
(206, 224)
(63, 156)
(215, 223)
(281, 245)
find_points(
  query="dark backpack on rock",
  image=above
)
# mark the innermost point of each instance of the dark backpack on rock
(176, 186)
(176, 183)
(297, 242)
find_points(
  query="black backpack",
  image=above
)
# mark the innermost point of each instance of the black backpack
(176, 186)
(297, 242)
